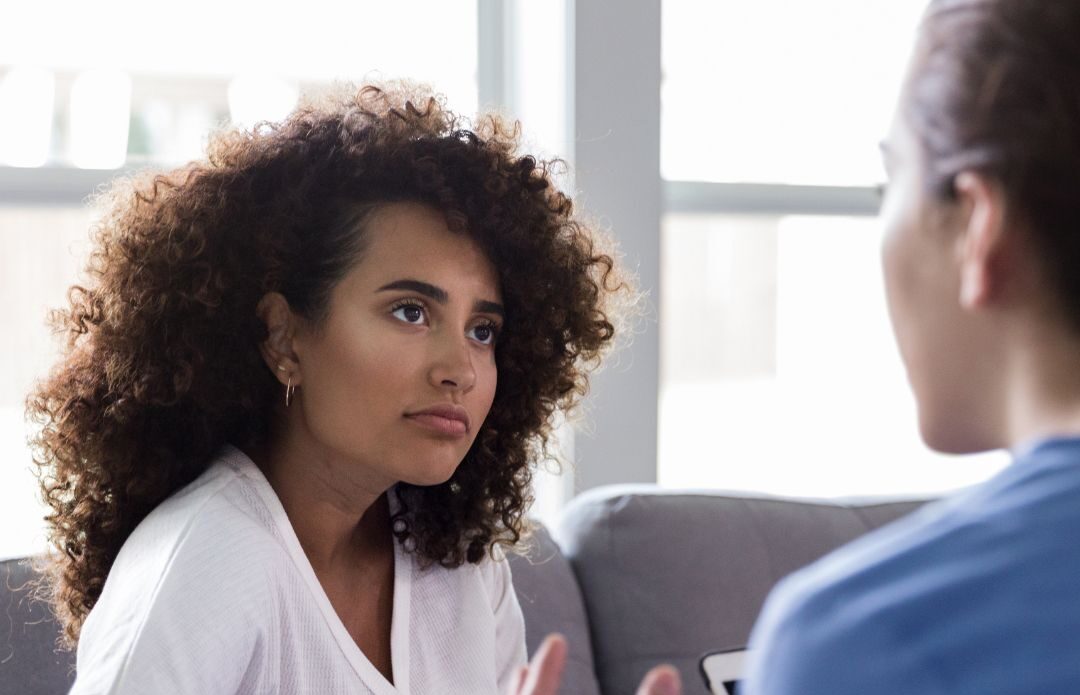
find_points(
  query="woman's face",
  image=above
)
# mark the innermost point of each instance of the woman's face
(401, 374)
(942, 344)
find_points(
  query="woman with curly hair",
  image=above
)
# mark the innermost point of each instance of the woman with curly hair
(302, 393)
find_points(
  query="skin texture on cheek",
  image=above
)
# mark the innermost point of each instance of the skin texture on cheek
(350, 387)
(921, 272)
(950, 343)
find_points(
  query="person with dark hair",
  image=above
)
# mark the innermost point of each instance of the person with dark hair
(304, 389)
(975, 594)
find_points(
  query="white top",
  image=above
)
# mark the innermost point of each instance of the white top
(212, 593)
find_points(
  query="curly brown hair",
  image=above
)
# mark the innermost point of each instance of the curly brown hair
(162, 366)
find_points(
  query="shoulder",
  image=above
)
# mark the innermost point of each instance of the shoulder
(209, 544)
(202, 563)
(214, 524)
(951, 544)
(493, 573)
(839, 623)
(906, 603)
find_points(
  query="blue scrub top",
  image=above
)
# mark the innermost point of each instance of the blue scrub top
(978, 593)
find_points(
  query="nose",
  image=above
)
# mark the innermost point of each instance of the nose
(452, 367)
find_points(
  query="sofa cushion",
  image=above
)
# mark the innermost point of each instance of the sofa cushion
(30, 663)
(669, 575)
(551, 601)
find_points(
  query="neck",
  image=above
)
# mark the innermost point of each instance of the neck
(1044, 384)
(338, 509)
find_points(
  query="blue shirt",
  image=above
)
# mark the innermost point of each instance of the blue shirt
(979, 594)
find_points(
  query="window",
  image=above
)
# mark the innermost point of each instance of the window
(116, 79)
(779, 371)
(778, 368)
(41, 251)
(775, 91)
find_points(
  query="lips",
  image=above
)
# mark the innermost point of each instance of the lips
(447, 419)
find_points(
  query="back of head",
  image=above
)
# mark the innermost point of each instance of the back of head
(993, 89)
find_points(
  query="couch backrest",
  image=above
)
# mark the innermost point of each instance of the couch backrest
(668, 576)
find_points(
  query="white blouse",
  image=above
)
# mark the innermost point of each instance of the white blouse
(212, 593)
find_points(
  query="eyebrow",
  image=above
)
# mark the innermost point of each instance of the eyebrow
(440, 295)
(485, 307)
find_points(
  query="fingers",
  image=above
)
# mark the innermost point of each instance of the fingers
(545, 670)
(662, 680)
(518, 680)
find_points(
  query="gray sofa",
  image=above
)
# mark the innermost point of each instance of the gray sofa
(633, 576)
(641, 576)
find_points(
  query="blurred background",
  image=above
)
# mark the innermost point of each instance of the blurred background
(730, 146)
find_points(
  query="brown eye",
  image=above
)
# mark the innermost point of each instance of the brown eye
(484, 333)
(409, 313)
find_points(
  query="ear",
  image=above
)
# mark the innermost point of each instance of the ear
(277, 350)
(982, 246)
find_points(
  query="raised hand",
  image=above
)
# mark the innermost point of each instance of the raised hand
(543, 675)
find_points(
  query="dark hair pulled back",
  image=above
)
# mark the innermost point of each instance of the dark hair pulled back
(994, 87)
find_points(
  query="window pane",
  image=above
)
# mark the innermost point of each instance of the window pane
(41, 252)
(779, 372)
(141, 93)
(780, 91)
(325, 40)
